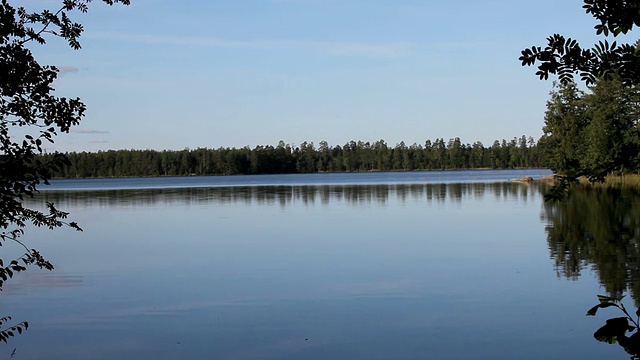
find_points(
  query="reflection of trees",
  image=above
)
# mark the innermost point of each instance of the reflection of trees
(285, 195)
(597, 227)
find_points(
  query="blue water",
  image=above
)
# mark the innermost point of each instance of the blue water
(372, 178)
(416, 265)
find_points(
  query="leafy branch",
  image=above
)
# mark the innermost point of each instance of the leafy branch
(28, 99)
(565, 58)
(6, 332)
(615, 330)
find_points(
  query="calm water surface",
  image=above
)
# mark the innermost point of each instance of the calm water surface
(443, 265)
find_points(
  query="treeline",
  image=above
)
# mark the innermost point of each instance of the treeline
(305, 158)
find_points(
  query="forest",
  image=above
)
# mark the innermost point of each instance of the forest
(592, 133)
(305, 158)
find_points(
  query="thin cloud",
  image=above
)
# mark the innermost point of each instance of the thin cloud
(298, 1)
(63, 70)
(393, 49)
(358, 49)
(89, 131)
(101, 141)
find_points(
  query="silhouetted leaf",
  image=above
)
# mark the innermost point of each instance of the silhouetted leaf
(612, 330)
(631, 344)
(605, 299)
(594, 310)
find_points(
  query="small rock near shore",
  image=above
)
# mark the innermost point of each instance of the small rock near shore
(524, 179)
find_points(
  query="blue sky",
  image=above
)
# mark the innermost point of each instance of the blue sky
(163, 74)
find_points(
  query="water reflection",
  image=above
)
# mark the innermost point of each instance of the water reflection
(599, 229)
(594, 228)
(362, 270)
(42, 279)
(285, 195)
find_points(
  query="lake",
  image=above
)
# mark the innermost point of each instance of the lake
(415, 265)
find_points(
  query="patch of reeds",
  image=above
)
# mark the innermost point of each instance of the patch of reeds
(615, 181)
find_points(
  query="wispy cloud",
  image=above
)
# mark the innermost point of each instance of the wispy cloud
(89, 131)
(357, 49)
(64, 69)
(389, 49)
(100, 141)
(298, 1)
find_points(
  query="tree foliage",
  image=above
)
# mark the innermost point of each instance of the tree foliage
(592, 133)
(306, 158)
(596, 133)
(31, 115)
(565, 57)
